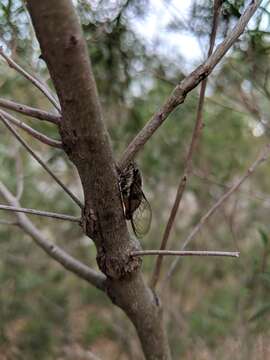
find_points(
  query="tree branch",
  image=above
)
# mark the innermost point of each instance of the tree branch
(68, 262)
(185, 253)
(41, 162)
(41, 213)
(30, 111)
(180, 92)
(36, 134)
(19, 175)
(7, 222)
(188, 161)
(262, 157)
(35, 81)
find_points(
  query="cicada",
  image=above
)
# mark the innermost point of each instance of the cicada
(136, 207)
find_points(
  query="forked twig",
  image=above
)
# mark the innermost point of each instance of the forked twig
(67, 261)
(37, 82)
(188, 161)
(36, 134)
(180, 92)
(185, 253)
(262, 157)
(30, 111)
(41, 162)
(40, 213)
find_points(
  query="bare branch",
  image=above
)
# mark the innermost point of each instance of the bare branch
(180, 92)
(19, 175)
(263, 197)
(188, 161)
(84, 272)
(262, 157)
(7, 222)
(41, 162)
(185, 253)
(41, 213)
(37, 82)
(30, 111)
(36, 134)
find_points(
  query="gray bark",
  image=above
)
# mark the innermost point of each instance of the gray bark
(86, 142)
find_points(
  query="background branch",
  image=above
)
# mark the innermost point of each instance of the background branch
(19, 174)
(180, 92)
(37, 82)
(30, 111)
(68, 262)
(262, 157)
(7, 222)
(41, 162)
(188, 161)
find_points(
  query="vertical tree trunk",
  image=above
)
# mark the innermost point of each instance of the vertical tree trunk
(87, 144)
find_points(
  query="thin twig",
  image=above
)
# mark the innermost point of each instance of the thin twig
(254, 195)
(19, 175)
(189, 83)
(41, 162)
(7, 222)
(37, 82)
(185, 253)
(68, 262)
(36, 134)
(30, 111)
(41, 213)
(188, 161)
(262, 157)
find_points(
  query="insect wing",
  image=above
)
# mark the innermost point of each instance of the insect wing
(141, 218)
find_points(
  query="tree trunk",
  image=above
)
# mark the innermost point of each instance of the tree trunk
(86, 142)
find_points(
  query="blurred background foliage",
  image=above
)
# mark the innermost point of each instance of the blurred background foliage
(215, 309)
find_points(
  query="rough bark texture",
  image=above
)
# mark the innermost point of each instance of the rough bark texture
(87, 144)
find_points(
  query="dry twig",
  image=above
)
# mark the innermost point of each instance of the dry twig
(30, 111)
(262, 157)
(36, 134)
(84, 272)
(188, 161)
(41, 213)
(180, 92)
(37, 82)
(41, 162)
(185, 253)
(7, 222)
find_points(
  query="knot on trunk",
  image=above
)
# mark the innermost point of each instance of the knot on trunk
(118, 266)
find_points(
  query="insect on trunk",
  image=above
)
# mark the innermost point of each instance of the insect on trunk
(136, 207)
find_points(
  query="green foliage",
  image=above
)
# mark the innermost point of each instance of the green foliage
(36, 340)
(96, 328)
(260, 312)
(264, 237)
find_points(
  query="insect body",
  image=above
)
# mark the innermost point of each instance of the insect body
(136, 207)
